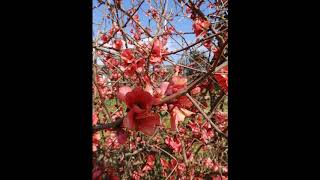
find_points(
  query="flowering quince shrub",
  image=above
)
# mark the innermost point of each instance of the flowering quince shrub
(160, 88)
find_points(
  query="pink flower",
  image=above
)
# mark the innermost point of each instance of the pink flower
(139, 118)
(176, 83)
(174, 144)
(117, 44)
(200, 26)
(121, 136)
(94, 118)
(122, 92)
(178, 115)
(150, 163)
(104, 38)
(222, 78)
(156, 50)
(127, 56)
(95, 141)
(195, 90)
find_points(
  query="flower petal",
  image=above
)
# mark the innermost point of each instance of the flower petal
(122, 92)
(127, 56)
(149, 89)
(186, 112)
(164, 87)
(129, 121)
(137, 109)
(121, 136)
(176, 116)
(148, 122)
(196, 90)
(139, 97)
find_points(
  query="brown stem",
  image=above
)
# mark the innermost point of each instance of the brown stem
(192, 85)
(216, 103)
(205, 116)
(181, 65)
(130, 17)
(184, 153)
(191, 45)
(102, 99)
(200, 13)
(112, 125)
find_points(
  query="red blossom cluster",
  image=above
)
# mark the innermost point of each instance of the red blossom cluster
(144, 127)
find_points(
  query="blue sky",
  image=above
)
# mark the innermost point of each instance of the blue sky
(180, 23)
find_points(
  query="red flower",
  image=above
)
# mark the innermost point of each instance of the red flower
(176, 83)
(207, 162)
(122, 92)
(164, 163)
(104, 38)
(156, 50)
(110, 62)
(220, 116)
(139, 65)
(121, 136)
(139, 103)
(195, 129)
(111, 174)
(127, 56)
(184, 101)
(95, 141)
(136, 175)
(222, 78)
(174, 144)
(94, 118)
(181, 168)
(200, 26)
(97, 174)
(195, 90)
(207, 44)
(117, 44)
(150, 163)
(136, 36)
(207, 133)
(132, 65)
(139, 100)
(177, 115)
(131, 70)
(154, 59)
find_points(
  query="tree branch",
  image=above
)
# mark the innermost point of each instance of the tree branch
(130, 17)
(205, 116)
(192, 85)
(112, 125)
(191, 45)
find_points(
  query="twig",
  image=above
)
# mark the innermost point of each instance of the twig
(192, 85)
(102, 100)
(126, 13)
(184, 153)
(134, 152)
(216, 103)
(185, 66)
(130, 17)
(170, 156)
(205, 115)
(200, 13)
(112, 125)
(191, 45)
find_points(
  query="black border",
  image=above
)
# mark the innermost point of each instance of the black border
(47, 113)
(49, 90)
